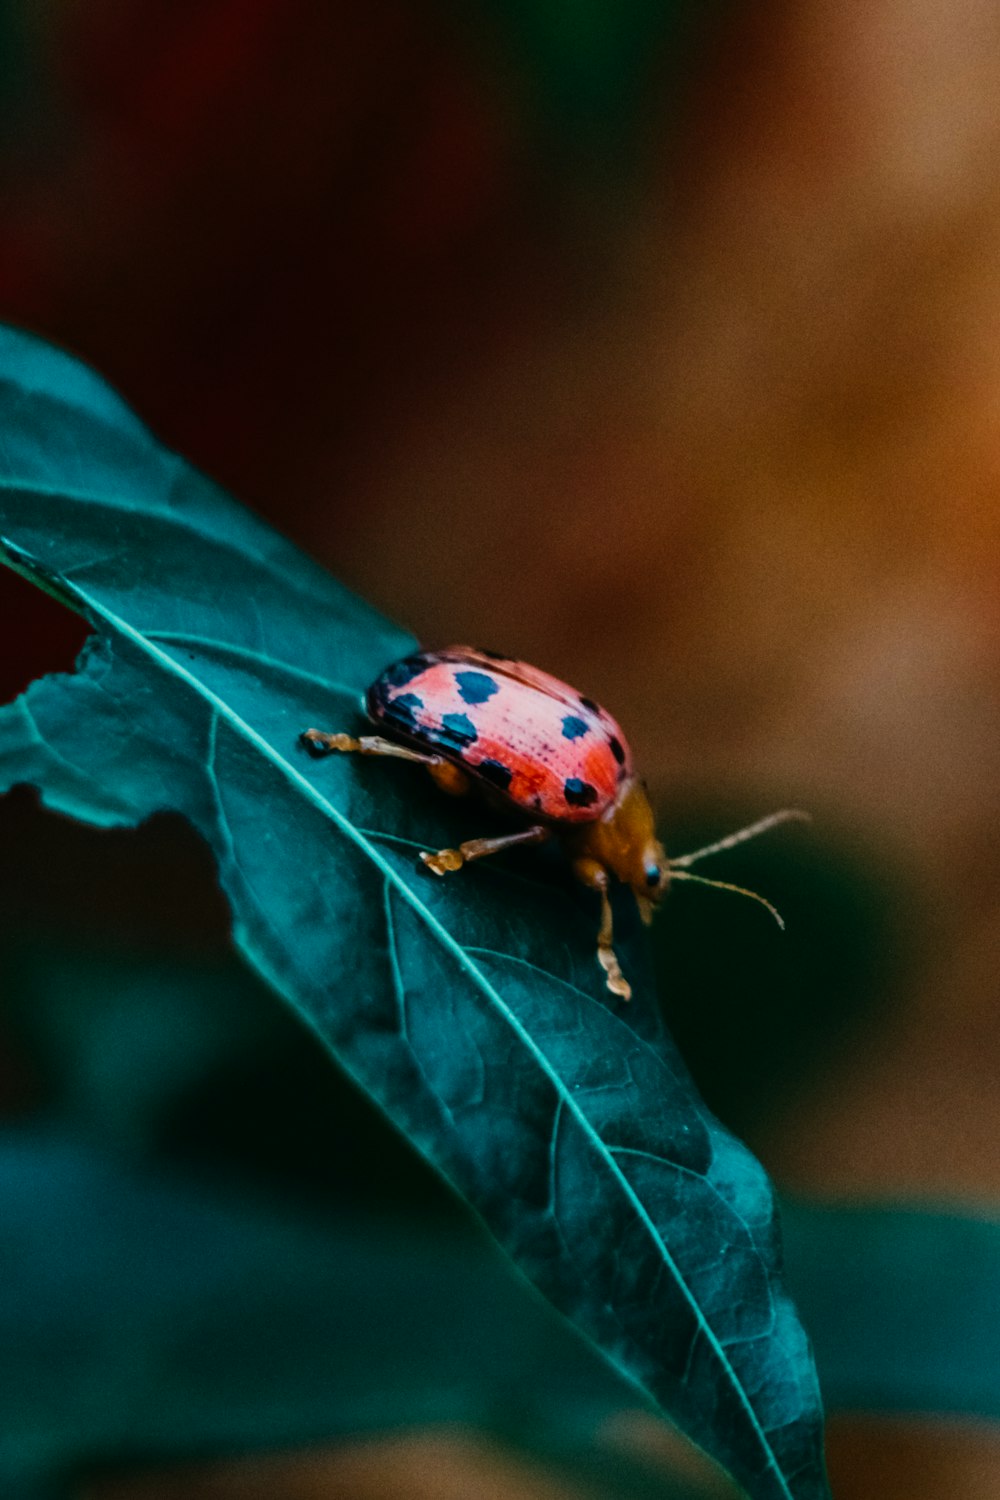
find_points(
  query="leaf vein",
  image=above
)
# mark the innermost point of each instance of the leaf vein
(397, 973)
(210, 643)
(477, 978)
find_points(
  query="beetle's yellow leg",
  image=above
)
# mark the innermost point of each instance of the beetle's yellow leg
(321, 743)
(448, 777)
(594, 875)
(446, 860)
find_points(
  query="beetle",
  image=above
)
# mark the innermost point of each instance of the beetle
(537, 750)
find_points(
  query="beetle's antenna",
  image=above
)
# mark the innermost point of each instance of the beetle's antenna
(723, 885)
(763, 825)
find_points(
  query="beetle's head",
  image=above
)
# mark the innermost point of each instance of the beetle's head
(625, 842)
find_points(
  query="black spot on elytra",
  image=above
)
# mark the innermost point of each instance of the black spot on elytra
(402, 672)
(475, 687)
(402, 709)
(579, 793)
(574, 727)
(590, 705)
(617, 749)
(496, 774)
(458, 729)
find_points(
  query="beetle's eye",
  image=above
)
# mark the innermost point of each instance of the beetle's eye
(652, 875)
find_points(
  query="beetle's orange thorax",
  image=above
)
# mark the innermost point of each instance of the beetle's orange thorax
(624, 841)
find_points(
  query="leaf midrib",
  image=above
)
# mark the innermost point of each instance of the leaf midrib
(96, 609)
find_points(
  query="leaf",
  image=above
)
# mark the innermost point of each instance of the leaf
(904, 1306)
(115, 1040)
(192, 1321)
(472, 1009)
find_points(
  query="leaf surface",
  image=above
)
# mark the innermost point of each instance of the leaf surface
(208, 1324)
(472, 1009)
(903, 1303)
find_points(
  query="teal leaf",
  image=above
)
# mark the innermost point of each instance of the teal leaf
(903, 1304)
(116, 1041)
(206, 1323)
(472, 1009)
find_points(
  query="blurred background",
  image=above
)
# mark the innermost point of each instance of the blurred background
(656, 344)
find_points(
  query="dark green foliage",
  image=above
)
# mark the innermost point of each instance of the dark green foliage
(472, 1009)
(206, 1324)
(211, 1319)
(758, 1013)
(904, 1306)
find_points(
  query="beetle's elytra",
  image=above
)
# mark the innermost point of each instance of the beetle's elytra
(543, 753)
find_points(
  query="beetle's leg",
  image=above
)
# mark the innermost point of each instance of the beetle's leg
(321, 743)
(448, 777)
(592, 873)
(446, 860)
